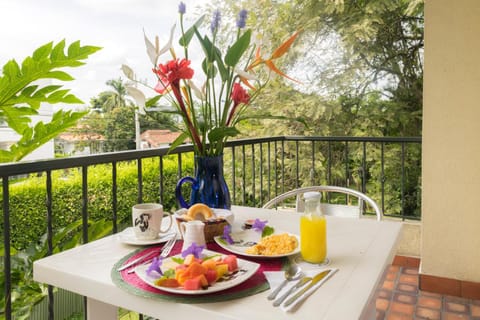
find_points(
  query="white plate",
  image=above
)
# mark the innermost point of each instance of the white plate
(246, 270)
(128, 236)
(247, 238)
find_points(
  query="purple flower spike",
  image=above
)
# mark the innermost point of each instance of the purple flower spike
(259, 225)
(242, 18)
(215, 21)
(182, 8)
(193, 249)
(155, 266)
(226, 234)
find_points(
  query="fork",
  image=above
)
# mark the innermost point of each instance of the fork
(164, 253)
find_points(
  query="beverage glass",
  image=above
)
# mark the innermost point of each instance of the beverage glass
(313, 230)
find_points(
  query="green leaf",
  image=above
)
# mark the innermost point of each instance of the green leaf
(152, 101)
(236, 51)
(212, 54)
(170, 273)
(43, 51)
(18, 118)
(57, 52)
(60, 75)
(74, 49)
(17, 90)
(41, 133)
(177, 260)
(209, 69)
(180, 139)
(219, 133)
(188, 35)
(267, 231)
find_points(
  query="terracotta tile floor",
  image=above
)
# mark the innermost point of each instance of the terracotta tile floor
(398, 297)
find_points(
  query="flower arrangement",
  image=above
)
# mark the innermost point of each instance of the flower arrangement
(210, 112)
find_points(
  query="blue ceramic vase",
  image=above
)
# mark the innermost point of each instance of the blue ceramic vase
(208, 186)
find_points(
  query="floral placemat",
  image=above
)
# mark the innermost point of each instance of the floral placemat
(133, 284)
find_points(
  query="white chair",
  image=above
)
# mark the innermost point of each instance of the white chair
(353, 211)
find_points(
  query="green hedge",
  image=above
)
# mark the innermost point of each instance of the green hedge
(28, 211)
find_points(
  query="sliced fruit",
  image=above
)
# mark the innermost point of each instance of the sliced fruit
(221, 270)
(195, 269)
(209, 264)
(167, 282)
(189, 259)
(211, 276)
(196, 283)
(231, 260)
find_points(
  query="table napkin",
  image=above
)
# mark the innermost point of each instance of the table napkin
(275, 278)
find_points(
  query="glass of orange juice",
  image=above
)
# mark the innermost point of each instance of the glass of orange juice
(313, 230)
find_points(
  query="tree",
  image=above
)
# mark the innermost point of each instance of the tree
(113, 116)
(20, 98)
(120, 129)
(381, 44)
(352, 50)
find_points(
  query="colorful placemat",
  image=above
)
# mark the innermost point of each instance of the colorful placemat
(133, 284)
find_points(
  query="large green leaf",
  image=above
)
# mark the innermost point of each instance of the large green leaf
(188, 35)
(236, 51)
(212, 54)
(20, 98)
(180, 139)
(219, 133)
(32, 138)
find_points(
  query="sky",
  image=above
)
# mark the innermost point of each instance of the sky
(115, 25)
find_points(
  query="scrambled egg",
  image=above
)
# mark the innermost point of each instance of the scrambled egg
(274, 244)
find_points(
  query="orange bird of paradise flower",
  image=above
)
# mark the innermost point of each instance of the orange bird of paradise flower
(277, 53)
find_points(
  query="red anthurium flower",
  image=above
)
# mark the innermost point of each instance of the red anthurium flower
(239, 95)
(172, 72)
(169, 75)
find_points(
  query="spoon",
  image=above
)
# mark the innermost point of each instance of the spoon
(292, 273)
(299, 284)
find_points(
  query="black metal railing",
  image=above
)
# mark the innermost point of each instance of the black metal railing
(386, 169)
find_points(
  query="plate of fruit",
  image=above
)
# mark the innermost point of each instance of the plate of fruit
(200, 272)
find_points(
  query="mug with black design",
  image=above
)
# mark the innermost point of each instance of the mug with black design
(147, 220)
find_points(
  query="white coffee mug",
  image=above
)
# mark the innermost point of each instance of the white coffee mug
(147, 220)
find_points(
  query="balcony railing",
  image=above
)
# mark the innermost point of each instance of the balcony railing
(386, 169)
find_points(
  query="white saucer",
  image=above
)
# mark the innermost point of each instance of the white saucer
(128, 236)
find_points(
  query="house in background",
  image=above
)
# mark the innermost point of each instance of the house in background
(157, 138)
(79, 143)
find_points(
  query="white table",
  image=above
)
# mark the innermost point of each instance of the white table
(361, 249)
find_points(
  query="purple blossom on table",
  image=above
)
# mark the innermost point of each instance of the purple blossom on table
(242, 18)
(227, 230)
(193, 249)
(259, 225)
(155, 266)
(182, 8)
(215, 21)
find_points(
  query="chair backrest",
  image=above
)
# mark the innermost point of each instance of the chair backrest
(329, 209)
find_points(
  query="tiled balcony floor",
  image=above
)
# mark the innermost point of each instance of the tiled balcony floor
(398, 297)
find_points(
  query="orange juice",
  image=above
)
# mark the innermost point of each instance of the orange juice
(313, 238)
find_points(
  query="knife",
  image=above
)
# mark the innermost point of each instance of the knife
(315, 279)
